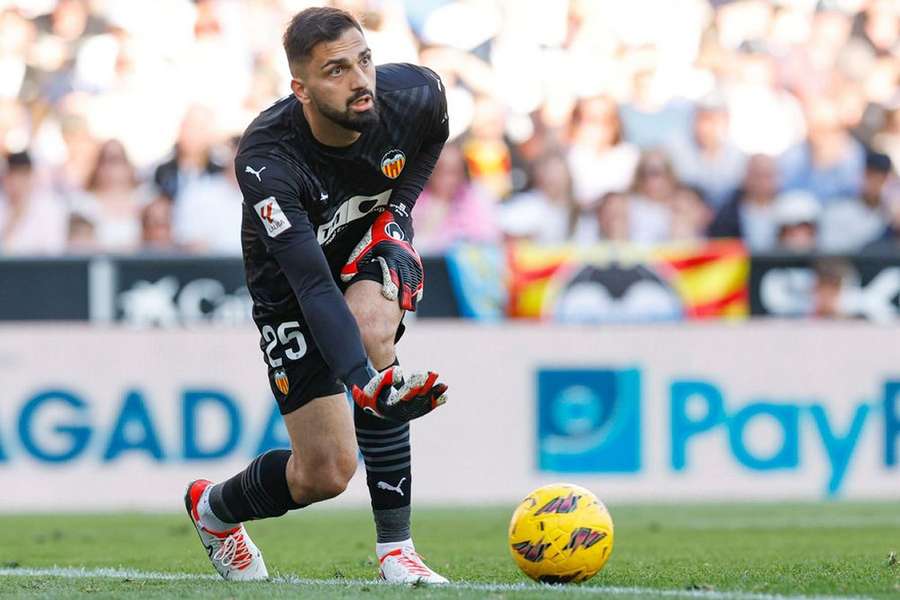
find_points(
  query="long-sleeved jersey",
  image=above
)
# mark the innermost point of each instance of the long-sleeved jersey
(307, 205)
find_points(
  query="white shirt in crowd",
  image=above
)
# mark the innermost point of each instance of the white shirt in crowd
(716, 176)
(594, 174)
(118, 229)
(651, 221)
(534, 216)
(207, 216)
(849, 225)
(758, 227)
(41, 229)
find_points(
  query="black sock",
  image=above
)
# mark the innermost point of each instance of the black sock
(258, 492)
(385, 448)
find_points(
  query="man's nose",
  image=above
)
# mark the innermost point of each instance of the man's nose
(360, 80)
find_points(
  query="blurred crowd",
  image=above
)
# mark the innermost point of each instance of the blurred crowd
(648, 121)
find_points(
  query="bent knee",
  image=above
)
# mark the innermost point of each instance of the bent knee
(331, 484)
(322, 479)
(374, 324)
(378, 338)
(376, 316)
(332, 480)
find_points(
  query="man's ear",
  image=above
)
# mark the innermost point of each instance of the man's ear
(299, 89)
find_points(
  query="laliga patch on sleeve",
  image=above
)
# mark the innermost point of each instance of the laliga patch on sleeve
(272, 216)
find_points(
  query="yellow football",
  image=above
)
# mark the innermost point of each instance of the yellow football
(561, 533)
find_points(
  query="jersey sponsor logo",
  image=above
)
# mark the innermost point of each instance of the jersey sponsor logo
(392, 163)
(272, 216)
(351, 210)
(249, 169)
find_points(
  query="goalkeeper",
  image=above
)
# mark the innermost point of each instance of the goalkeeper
(329, 176)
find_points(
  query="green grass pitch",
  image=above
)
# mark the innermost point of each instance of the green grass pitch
(742, 551)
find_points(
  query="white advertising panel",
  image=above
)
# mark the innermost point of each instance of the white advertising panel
(94, 418)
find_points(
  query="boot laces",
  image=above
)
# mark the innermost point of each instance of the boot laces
(234, 552)
(413, 562)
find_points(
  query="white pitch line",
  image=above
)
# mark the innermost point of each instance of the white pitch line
(133, 574)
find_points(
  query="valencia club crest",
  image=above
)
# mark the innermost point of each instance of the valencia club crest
(392, 163)
(281, 382)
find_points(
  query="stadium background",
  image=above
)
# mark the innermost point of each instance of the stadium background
(672, 226)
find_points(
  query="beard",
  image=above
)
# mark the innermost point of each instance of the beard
(349, 118)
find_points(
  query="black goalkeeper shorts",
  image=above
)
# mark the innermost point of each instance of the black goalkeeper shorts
(296, 382)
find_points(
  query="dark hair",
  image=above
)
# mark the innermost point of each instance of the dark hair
(876, 161)
(314, 25)
(18, 161)
(102, 157)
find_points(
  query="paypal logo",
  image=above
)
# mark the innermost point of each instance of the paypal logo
(590, 421)
(698, 408)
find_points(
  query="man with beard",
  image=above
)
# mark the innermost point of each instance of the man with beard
(329, 177)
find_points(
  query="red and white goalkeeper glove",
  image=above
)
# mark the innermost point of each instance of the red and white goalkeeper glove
(389, 396)
(402, 276)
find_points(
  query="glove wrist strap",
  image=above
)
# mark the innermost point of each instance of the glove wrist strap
(405, 223)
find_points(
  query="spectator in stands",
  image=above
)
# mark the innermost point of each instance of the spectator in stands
(690, 215)
(600, 159)
(452, 208)
(830, 163)
(708, 160)
(889, 242)
(70, 21)
(61, 33)
(156, 226)
(485, 149)
(832, 277)
(32, 218)
(613, 217)
(797, 219)
(877, 27)
(14, 125)
(16, 39)
(887, 139)
(764, 117)
(192, 157)
(651, 117)
(113, 199)
(749, 214)
(850, 225)
(207, 216)
(650, 200)
(547, 213)
(811, 67)
(80, 153)
(82, 236)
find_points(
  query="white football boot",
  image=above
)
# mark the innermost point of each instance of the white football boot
(404, 565)
(232, 552)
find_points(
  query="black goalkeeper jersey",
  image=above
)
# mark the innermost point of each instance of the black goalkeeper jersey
(304, 200)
